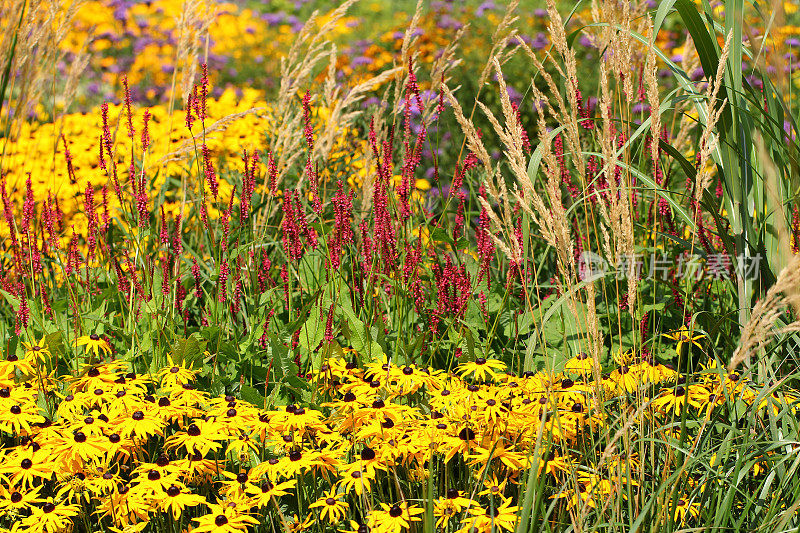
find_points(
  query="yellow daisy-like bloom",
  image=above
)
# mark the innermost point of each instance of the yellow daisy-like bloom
(262, 494)
(626, 379)
(580, 364)
(394, 518)
(176, 498)
(37, 350)
(175, 375)
(51, 517)
(672, 400)
(94, 344)
(685, 509)
(684, 336)
(480, 368)
(224, 518)
(332, 510)
(491, 519)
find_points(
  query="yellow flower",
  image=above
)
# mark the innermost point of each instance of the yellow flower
(581, 364)
(395, 518)
(51, 517)
(491, 519)
(37, 350)
(331, 509)
(94, 344)
(480, 368)
(685, 509)
(176, 498)
(683, 336)
(223, 518)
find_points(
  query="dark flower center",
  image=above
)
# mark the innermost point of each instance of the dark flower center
(80, 437)
(16, 497)
(395, 511)
(162, 461)
(173, 491)
(221, 520)
(193, 430)
(164, 402)
(480, 361)
(452, 494)
(466, 434)
(138, 415)
(266, 486)
(153, 475)
(174, 370)
(48, 507)
(349, 397)
(367, 454)
(408, 370)
(330, 501)
(16, 409)
(295, 455)
(241, 477)
(114, 438)
(94, 337)
(491, 402)
(26, 464)
(93, 372)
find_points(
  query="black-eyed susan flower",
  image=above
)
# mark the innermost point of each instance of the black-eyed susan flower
(37, 350)
(176, 498)
(175, 375)
(262, 493)
(684, 336)
(481, 368)
(94, 343)
(673, 399)
(685, 509)
(486, 519)
(395, 518)
(331, 508)
(226, 517)
(358, 480)
(51, 517)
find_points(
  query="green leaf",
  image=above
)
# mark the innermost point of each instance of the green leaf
(189, 351)
(249, 394)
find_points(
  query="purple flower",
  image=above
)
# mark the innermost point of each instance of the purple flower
(361, 60)
(488, 5)
(540, 41)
